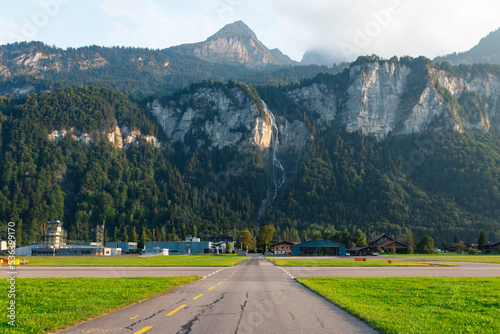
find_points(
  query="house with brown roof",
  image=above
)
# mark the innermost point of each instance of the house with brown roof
(461, 246)
(282, 248)
(491, 247)
(382, 241)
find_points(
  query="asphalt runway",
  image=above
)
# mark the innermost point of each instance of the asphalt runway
(466, 269)
(254, 296)
(38, 272)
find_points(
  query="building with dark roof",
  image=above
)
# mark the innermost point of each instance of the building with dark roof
(381, 241)
(491, 247)
(318, 248)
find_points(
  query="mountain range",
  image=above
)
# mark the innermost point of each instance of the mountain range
(226, 134)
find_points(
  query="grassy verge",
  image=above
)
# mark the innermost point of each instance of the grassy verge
(47, 304)
(450, 257)
(417, 305)
(209, 260)
(305, 262)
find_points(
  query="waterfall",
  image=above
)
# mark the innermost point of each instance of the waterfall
(279, 176)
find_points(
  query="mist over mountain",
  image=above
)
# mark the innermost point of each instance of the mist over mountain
(320, 57)
(487, 51)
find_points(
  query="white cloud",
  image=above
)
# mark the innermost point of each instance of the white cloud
(424, 27)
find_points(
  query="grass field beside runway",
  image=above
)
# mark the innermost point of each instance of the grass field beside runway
(208, 260)
(349, 262)
(43, 305)
(450, 257)
(416, 304)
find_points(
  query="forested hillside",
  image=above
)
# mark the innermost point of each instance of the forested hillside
(438, 183)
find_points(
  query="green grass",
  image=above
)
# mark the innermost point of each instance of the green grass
(305, 262)
(208, 260)
(47, 304)
(417, 305)
(451, 257)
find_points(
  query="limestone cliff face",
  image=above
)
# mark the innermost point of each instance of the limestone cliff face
(214, 117)
(385, 97)
(121, 137)
(217, 118)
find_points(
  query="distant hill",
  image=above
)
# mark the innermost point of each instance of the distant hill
(487, 51)
(235, 43)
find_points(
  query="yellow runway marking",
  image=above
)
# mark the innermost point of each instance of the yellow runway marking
(177, 309)
(211, 288)
(134, 317)
(144, 329)
(198, 296)
(225, 279)
(219, 283)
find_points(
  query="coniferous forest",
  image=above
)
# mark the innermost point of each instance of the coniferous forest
(344, 182)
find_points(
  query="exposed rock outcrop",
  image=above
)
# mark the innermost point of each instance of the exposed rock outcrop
(120, 137)
(384, 98)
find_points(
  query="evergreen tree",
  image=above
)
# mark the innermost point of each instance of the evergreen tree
(143, 238)
(456, 239)
(359, 238)
(133, 235)
(125, 234)
(19, 234)
(483, 239)
(183, 232)
(411, 238)
(195, 231)
(444, 245)
(115, 234)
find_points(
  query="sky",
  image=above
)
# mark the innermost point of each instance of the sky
(342, 28)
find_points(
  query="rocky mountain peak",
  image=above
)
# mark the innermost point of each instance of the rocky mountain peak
(235, 29)
(235, 43)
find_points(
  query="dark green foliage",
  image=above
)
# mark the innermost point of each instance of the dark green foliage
(360, 238)
(350, 181)
(483, 239)
(426, 245)
(84, 184)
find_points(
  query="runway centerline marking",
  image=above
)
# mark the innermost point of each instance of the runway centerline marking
(144, 329)
(198, 296)
(177, 309)
(134, 317)
(219, 283)
(211, 288)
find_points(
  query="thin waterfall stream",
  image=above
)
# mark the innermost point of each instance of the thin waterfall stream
(279, 176)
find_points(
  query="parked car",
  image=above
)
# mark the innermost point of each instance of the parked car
(347, 254)
(375, 254)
